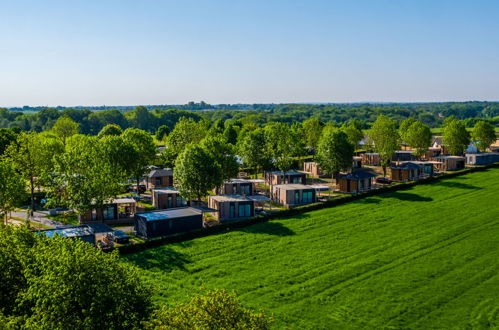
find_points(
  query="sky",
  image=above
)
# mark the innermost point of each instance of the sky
(129, 52)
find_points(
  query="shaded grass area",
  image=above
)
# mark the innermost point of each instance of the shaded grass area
(424, 258)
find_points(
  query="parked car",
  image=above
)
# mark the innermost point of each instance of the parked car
(121, 237)
(382, 180)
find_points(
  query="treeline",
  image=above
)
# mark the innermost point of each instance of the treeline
(149, 119)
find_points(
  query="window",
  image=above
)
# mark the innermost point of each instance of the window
(361, 184)
(158, 181)
(297, 197)
(170, 201)
(296, 179)
(108, 213)
(307, 197)
(181, 201)
(245, 189)
(232, 210)
(244, 210)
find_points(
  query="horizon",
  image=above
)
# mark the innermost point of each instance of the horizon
(237, 52)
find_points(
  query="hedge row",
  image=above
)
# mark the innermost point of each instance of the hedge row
(224, 227)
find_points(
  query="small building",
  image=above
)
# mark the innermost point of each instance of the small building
(403, 156)
(312, 168)
(168, 222)
(232, 207)
(407, 171)
(432, 152)
(450, 163)
(236, 187)
(167, 198)
(280, 177)
(159, 178)
(371, 158)
(115, 212)
(357, 162)
(471, 148)
(83, 232)
(355, 182)
(484, 158)
(291, 195)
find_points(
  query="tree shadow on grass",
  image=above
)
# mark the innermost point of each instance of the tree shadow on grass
(368, 200)
(162, 258)
(269, 228)
(405, 196)
(453, 184)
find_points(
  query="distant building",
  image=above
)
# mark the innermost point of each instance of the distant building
(159, 178)
(484, 158)
(236, 187)
(291, 195)
(167, 198)
(279, 177)
(403, 156)
(450, 163)
(371, 158)
(114, 212)
(312, 168)
(232, 207)
(355, 182)
(357, 162)
(408, 171)
(168, 222)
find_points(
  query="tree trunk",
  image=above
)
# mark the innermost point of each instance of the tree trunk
(384, 171)
(32, 186)
(138, 188)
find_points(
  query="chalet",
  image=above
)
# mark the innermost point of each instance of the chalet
(407, 171)
(312, 168)
(403, 156)
(159, 178)
(494, 147)
(357, 162)
(167, 198)
(168, 222)
(471, 148)
(119, 211)
(236, 187)
(82, 232)
(483, 158)
(450, 163)
(280, 177)
(371, 158)
(432, 152)
(355, 182)
(232, 207)
(291, 195)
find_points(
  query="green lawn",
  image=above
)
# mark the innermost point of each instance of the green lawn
(423, 258)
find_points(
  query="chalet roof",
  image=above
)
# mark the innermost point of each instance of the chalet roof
(239, 181)
(159, 172)
(167, 190)
(259, 198)
(450, 157)
(180, 212)
(73, 231)
(230, 198)
(290, 172)
(357, 175)
(292, 186)
(407, 166)
(99, 228)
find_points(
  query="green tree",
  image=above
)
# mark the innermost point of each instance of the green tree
(218, 309)
(12, 188)
(386, 139)
(335, 151)
(404, 127)
(353, 132)
(110, 129)
(282, 144)
(230, 133)
(65, 127)
(483, 135)
(196, 172)
(253, 151)
(312, 130)
(418, 137)
(142, 118)
(186, 131)
(455, 136)
(7, 136)
(48, 283)
(145, 152)
(120, 153)
(223, 154)
(162, 132)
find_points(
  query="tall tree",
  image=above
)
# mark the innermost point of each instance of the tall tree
(162, 132)
(196, 172)
(110, 129)
(334, 152)
(145, 152)
(404, 127)
(223, 154)
(312, 130)
(418, 137)
(386, 139)
(455, 136)
(282, 144)
(353, 130)
(253, 151)
(12, 188)
(483, 135)
(186, 131)
(7, 136)
(65, 127)
(230, 133)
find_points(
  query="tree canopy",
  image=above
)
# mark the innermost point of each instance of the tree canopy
(483, 135)
(386, 139)
(334, 152)
(455, 136)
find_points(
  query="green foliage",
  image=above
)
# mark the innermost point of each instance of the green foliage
(483, 135)
(110, 129)
(162, 132)
(386, 138)
(417, 258)
(404, 127)
(186, 131)
(217, 309)
(7, 136)
(12, 188)
(223, 154)
(253, 151)
(282, 144)
(335, 151)
(120, 153)
(50, 283)
(145, 151)
(417, 136)
(65, 127)
(455, 136)
(353, 131)
(196, 172)
(231, 133)
(312, 130)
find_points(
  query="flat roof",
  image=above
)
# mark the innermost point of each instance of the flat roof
(239, 181)
(290, 172)
(167, 190)
(124, 201)
(450, 157)
(293, 186)
(77, 231)
(230, 198)
(483, 153)
(180, 212)
(259, 198)
(319, 187)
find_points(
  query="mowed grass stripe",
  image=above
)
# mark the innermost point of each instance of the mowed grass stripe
(407, 259)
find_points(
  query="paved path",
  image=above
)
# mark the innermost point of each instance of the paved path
(39, 217)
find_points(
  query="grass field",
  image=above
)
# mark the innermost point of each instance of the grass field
(423, 258)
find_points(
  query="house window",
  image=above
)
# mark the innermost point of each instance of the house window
(245, 189)
(297, 197)
(232, 210)
(244, 210)
(296, 179)
(361, 182)
(108, 213)
(181, 201)
(158, 181)
(170, 201)
(307, 197)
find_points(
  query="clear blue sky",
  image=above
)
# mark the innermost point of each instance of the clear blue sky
(124, 52)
